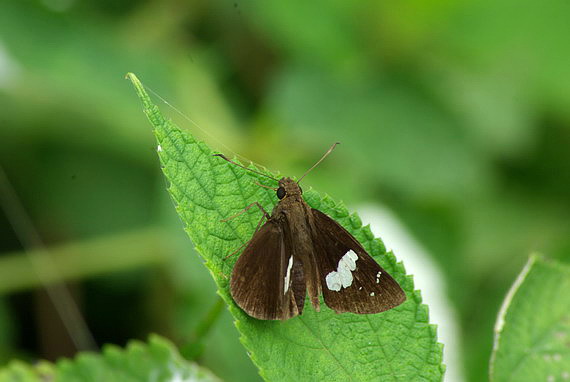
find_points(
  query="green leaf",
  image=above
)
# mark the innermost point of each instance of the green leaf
(398, 345)
(157, 361)
(532, 333)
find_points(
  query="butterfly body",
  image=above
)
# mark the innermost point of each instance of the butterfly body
(301, 251)
(295, 218)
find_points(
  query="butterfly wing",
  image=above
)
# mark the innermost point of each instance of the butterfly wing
(266, 277)
(351, 280)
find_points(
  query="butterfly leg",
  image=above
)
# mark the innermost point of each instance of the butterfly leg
(247, 242)
(264, 186)
(265, 214)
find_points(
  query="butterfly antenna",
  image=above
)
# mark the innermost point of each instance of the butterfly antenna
(248, 169)
(320, 160)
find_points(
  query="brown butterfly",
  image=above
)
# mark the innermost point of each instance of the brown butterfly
(299, 251)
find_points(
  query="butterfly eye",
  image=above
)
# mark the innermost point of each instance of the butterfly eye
(281, 192)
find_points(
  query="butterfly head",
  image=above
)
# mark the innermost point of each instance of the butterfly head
(288, 187)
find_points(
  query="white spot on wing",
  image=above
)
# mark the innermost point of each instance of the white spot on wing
(349, 260)
(333, 281)
(159, 148)
(342, 277)
(288, 275)
(371, 294)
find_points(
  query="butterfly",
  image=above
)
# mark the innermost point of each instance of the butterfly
(301, 251)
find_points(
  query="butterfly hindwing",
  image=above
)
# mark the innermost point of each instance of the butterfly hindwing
(264, 274)
(351, 280)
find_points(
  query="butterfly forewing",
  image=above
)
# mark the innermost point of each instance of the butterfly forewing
(263, 276)
(351, 280)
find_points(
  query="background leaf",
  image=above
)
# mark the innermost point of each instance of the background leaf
(156, 361)
(396, 345)
(532, 334)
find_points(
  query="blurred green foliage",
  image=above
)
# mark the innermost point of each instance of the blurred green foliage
(455, 114)
(157, 361)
